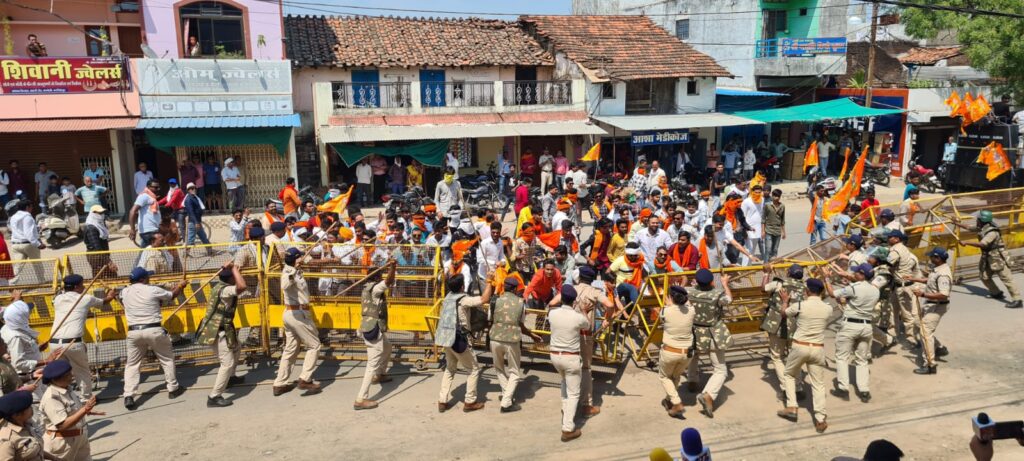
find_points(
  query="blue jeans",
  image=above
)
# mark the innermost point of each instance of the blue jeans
(560, 181)
(397, 188)
(501, 183)
(818, 233)
(193, 230)
(771, 246)
(627, 293)
(728, 174)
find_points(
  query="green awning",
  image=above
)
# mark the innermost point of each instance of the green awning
(430, 153)
(836, 109)
(167, 139)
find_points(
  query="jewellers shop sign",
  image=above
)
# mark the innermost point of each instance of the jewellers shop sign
(654, 138)
(58, 75)
(209, 88)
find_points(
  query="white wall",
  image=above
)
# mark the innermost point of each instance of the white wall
(598, 105)
(703, 101)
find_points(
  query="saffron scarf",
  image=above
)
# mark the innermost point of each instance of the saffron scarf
(665, 266)
(153, 207)
(705, 261)
(637, 279)
(814, 209)
(682, 259)
(729, 211)
(598, 241)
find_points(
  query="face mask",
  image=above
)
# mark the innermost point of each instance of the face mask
(448, 178)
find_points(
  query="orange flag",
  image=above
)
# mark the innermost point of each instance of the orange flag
(814, 209)
(592, 154)
(850, 189)
(337, 204)
(954, 102)
(965, 111)
(811, 156)
(857, 175)
(980, 108)
(995, 157)
(846, 162)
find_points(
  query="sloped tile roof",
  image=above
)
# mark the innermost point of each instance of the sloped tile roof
(405, 42)
(458, 119)
(925, 56)
(622, 47)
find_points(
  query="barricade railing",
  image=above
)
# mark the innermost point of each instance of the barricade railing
(36, 279)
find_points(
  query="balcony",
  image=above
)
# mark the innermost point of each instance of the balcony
(457, 94)
(371, 95)
(793, 57)
(531, 92)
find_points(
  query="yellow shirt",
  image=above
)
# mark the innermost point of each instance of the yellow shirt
(616, 247)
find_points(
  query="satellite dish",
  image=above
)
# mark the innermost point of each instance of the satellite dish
(148, 52)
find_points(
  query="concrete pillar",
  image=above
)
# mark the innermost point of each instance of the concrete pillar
(323, 108)
(499, 96)
(117, 167)
(417, 99)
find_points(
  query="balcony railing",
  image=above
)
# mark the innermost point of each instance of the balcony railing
(798, 47)
(457, 94)
(360, 95)
(529, 92)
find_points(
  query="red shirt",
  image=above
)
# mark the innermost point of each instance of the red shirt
(543, 288)
(866, 205)
(522, 198)
(174, 200)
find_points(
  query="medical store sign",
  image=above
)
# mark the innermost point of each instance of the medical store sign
(208, 87)
(654, 138)
(57, 75)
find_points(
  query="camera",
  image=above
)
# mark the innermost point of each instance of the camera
(988, 430)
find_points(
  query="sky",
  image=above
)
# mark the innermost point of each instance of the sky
(456, 7)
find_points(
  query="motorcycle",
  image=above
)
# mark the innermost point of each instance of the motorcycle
(60, 223)
(878, 174)
(306, 193)
(413, 198)
(771, 167)
(486, 195)
(815, 178)
(930, 183)
(679, 189)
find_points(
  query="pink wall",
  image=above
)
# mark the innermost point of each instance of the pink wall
(17, 107)
(262, 18)
(59, 37)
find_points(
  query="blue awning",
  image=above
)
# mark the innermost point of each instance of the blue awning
(247, 121)
(742, 92)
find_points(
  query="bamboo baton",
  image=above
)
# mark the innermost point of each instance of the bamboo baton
(391, 262)
(80, 297)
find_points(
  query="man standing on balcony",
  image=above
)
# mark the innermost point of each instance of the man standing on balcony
(547, 169)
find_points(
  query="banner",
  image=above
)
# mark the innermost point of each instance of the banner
(812, 46)
(213, 88)
(57, 75)
(654, 138)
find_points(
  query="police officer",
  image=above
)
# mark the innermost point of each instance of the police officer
(883, 280)
(812, 316)
(676, 347)
(374, 328)
(854, 254)
(780, 329)
(16, 439)
(711, 334)
(588, 299)
(453, 330)
(67, 435)
(217, 330)
(68, 307)
(566, 324)
(299, 329)
(936, 296)
(994, 260)
(906, 270)
(888, 221)
(507, 330)
(855, 336)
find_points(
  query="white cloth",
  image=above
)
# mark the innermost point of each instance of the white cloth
(656, 173)
(16, 318)
(23, 228)
(364, 173)
(232, 177)
(141, 179)
(5, 180)
(96, 220)
(65, 305)
(649, 244)
(753, 213)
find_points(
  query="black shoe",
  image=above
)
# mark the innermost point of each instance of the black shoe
(841, 393)
(925, 370)
(941, 351)
(177, 392)
(1015, 304)
(864, 396)
(218, 401)
(998, 295)
(511, 408)
(129, 403)
(236, 381)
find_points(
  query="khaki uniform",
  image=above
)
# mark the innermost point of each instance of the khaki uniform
(56, 406)
(18, 444)
(711, 336)
(780, 328)
(854, 337)
(506, 337)
(375, 317)
(566, 324)
(905, 265)
(995, 262)
(883, 315)
(73, 329)
(9, 379)
(246, 256)
(462, 305)
(857, 258)
(808, 349)
(588, 298)
(217, 330)
(677, 341)
(940, 281)
(299, 328)
(142, 309)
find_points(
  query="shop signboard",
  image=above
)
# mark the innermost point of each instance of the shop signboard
(214, 88)
(655, 138)
(59, 75)
(812, 46)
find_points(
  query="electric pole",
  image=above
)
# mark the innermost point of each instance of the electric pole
(870, 77)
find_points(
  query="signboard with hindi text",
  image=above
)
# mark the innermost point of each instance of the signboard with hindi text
(207, 87)
(654, 138)
(57, 75)
(812, 46)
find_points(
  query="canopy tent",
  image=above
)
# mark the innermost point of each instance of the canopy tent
(836, 109)
(430, 153)
(166, 139)
(674, 121)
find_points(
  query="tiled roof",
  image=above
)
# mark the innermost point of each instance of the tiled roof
(889, 73)
(66, 124)
(459, 119)
(404, 42)
(925, 56)
(622, 47)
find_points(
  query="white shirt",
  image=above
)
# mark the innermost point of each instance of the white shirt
(579, 178)
(5, 180)
(649, 244)
(452, 161)
(1019, 119)
(566, 324)
(736, 190)
(557, 219)
(231, 176)
(74, 326)
(141, 179)
(364, 173)
(753, 213)
(23, 228)
(749, 159)
(824, 148)
(493, 252)
(142, 303)
(655, 174)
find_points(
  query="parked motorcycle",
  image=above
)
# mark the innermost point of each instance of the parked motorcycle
(306, 193)
(878, 174)
(770, 166)
(815, 178)
(60, 223)
(413, 198)
(486, 195)
(929, 180)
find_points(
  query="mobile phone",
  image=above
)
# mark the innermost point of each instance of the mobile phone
(1008, 430)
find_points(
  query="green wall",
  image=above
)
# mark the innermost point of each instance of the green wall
(798, 26)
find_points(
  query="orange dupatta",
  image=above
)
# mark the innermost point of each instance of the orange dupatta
(705, 262)
(814, 209)
(637, 279)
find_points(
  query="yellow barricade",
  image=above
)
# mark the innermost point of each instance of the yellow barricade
(36, 279)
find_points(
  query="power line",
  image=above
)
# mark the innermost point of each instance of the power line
(952, 9)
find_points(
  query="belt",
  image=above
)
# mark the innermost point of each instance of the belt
(17, 242)
(802, 343)
(296, 308)
(65, 340)
(703, 326)
(852, 320)
(66, 433)
(906, 284)
(674, 350)
(144, 326)
(563, 353)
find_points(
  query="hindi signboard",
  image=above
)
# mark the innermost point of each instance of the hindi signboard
(654, 138)
(812, 46)
(57, 75)
(207, 87)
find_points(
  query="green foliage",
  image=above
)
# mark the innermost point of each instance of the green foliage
(922, 83)
(859, 79)
(222, 53)
(993, 44)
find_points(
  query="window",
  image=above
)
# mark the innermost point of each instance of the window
(803, 11)
(212, 29)
(608, 90)
(97, 41)
(692, 88)
(683, 29)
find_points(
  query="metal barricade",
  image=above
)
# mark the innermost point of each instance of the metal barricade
(36, 279)
(334, 273)
(107, 328)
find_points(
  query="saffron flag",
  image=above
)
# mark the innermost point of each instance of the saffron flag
(758, 180)
(850, 189)
(592, 154)
(965, 112)
(857, 175)
(846, 162)
(954, 102)
(337, 204)
(980, 108)
(811, 156)
(994, 156)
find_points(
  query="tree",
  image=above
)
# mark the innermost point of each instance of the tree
(993, 44)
